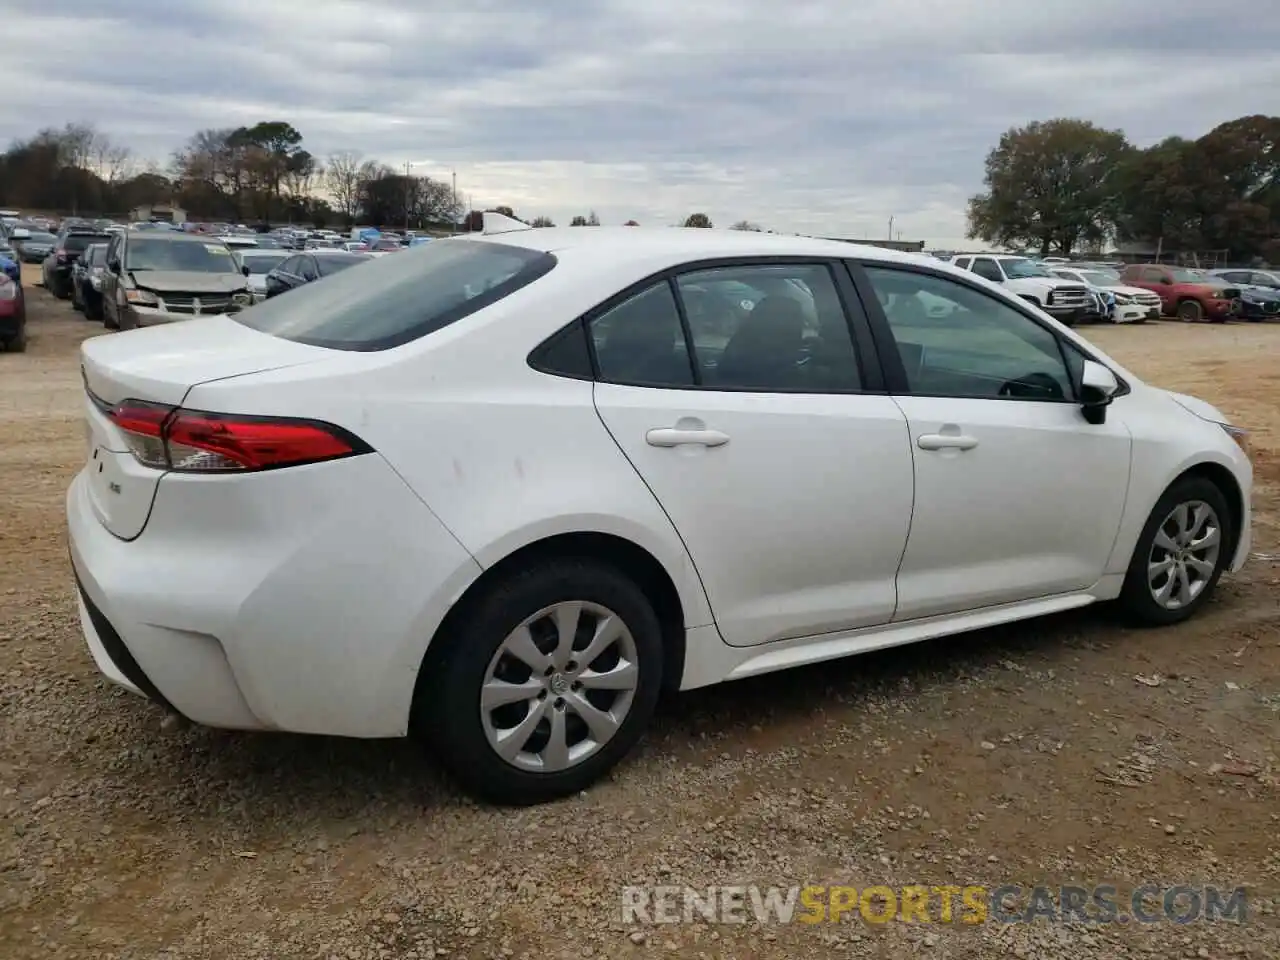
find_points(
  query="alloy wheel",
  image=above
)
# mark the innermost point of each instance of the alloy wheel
(1184, 554)
(559, 687)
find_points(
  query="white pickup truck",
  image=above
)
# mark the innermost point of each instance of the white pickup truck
(1063, 300)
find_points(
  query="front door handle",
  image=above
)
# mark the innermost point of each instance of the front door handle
(946, 441)
(675, 437)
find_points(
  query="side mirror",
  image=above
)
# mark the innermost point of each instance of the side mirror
(1098, 386)
(1166, 281)
(114, 266)
(245, 270)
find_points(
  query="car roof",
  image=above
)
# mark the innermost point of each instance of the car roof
(688, 243)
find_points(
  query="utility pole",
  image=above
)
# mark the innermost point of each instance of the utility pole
(891, 228)
(408, 183)
(454, 218)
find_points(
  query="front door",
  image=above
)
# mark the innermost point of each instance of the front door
(791, 488)
(1017, 496)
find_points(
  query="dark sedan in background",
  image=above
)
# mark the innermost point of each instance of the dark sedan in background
(56, 268)
(33, 245)
(86, 281)
(308, 267)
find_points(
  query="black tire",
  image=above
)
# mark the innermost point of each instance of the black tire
(93, 309)
(1135, 597)
(1190, 311)
(447, 711)
(17, 344)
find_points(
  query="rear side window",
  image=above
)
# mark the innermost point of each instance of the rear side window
(397, 299)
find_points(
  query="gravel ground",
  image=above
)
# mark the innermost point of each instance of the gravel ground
(1062, 751)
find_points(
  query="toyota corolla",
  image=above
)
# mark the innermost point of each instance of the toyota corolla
(498, 491)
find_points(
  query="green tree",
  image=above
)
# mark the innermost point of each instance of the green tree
(578, 221)
(698, 220)
(1051, 184)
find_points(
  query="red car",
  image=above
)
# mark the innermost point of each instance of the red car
(1185, 293)
(13, 315)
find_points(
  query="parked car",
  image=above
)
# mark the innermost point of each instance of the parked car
(13, 314)
(1258, 301)
(10, 261)
(309, 266)
(160, 276)
(32, 245)
(56, 269)
(260, 263)
(1126, 304)
(1252, 278)
(1185, 293)
(1066, 302)
(498, 491)
(86, 281)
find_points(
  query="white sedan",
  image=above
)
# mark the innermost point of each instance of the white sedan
(1133, 304)
(498, 491)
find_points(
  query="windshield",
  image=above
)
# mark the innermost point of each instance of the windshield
(1101, 278)
(1020, 269)
(180, 255)
(1193, 276)
(96, 254)
(393, 300)
(262, 263)
(36, 237)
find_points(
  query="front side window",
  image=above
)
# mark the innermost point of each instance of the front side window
(979, 347)
(769, 328)
(1153, 275)
(394, 300)
(1019, 269)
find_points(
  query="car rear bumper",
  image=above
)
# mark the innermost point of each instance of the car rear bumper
(299, 599)
(13, 317)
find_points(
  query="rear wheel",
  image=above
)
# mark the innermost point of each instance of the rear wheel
(1180, 555)
(17, 344)
(549, 681)
(1190, 311)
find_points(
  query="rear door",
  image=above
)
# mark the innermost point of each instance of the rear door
(766, 437)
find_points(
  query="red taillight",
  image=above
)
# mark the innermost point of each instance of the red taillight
(194, 441)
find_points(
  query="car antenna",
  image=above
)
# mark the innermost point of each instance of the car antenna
(499, 223)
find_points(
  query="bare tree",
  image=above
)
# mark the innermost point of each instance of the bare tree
(698, 220)
(592, 219)
(112, 161)
(748, 226)
(342, 179)
(541, 222)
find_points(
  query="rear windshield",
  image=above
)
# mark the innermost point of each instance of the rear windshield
(394, 300)
(76, 242)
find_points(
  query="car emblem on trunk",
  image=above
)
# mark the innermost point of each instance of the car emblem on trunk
(195, 305)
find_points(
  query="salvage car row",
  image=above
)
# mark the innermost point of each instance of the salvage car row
(1093, 292)
(129, 278)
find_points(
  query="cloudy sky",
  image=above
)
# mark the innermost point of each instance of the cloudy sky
(823, 117)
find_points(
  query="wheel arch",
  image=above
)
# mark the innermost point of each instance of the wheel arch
(625, 555)
(1224, 480)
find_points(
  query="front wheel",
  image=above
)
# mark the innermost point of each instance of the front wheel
(1190, 311)
(1180, 555)
(550, 680)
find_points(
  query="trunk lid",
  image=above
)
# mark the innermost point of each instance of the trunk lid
(160, 365)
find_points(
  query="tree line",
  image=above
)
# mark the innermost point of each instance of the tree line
(1066, 184)
(261, 173)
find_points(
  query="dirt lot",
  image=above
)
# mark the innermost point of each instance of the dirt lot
(1030, 754)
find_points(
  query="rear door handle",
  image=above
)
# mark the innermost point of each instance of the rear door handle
(946, 441)
(675, 437)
